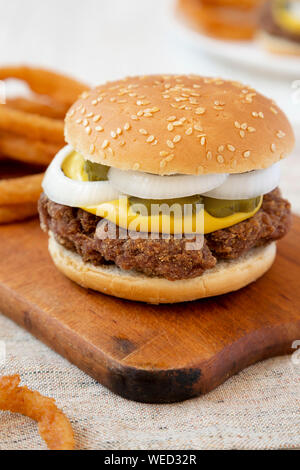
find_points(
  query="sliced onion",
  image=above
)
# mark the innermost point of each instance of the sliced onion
(63, 190)
(248, 185)
(149, 186)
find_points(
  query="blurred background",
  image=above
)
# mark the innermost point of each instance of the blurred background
(99, 40)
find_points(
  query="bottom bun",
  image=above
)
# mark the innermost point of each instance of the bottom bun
(279, 45)
(226, 276)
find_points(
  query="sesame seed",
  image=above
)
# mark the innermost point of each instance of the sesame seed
(231, 148)
(251, 129)
(221, 148)
(189, 131)
(273, 148)
(162, 163)
(237, 125)
(143, 131)
(220, 159)
(88, 130)
(170, 144)
(99, 129)
(85, 123)
(150, 139)
(148, 114)
(71, 113)
(155, 109)
(140, 113)
(119, 131)
(200, 111)
(247, 154)
(97, 118)
(280, 134)
(171, 118)
(92, 149)
(170, 127)
(209, 155)
(126, 126)
(163, 153)
(274, 110)
(113, 134)
(202, 140)
(261, 115)
(136, 166)
(133, 117)
(105, 144)
(244, 126)
(177, 138)
(79, 121)
(255, 114)
(198, 128)
(177, 123)
(94, 102)
(242, 134)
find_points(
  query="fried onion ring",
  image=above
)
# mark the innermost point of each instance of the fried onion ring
(46, 107)
(63, 89)
(26, 150)
(31, 125)
(20, 190)
(54, 427)
(17, 212)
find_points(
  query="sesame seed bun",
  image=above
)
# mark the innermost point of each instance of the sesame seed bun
(226, 276)
(168, 124)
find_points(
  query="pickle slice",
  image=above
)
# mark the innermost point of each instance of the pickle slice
(192, 200)
(223, 207)
(96, 171)
(216, 207)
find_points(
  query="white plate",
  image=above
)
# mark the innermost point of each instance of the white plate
(247, 54)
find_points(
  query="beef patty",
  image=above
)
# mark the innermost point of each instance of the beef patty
(75, 230)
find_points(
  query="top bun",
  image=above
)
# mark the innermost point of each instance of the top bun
(168, 124)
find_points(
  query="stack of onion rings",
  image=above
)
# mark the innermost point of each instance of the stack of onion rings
(32, 131)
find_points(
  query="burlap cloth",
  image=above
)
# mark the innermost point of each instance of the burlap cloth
(257, 409)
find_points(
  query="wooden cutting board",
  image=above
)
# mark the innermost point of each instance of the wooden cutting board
(143, 352)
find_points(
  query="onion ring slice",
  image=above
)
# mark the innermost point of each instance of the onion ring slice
(54, 426)
(63, 190)
(248, 185)
(149, 186)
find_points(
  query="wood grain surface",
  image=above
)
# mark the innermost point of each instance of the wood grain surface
(149, 353)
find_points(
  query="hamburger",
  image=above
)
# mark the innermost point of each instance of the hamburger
(203, 144)
(280, 27)
(224, 19)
